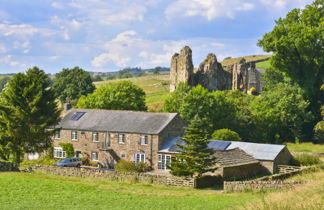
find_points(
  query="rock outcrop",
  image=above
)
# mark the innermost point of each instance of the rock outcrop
(181, 69)
(211, 74)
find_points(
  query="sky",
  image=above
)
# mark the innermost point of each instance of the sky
(108, 35)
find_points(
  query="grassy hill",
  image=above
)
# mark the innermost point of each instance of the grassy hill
(249, 58)
(156, 87)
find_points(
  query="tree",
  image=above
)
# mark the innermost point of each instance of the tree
(3, 82)
(175, 100)
(194, 157)
(226, 134)
(280, 113)
(27, 110)
(122, 95)
(97, 78)
(297, 44)
(71, 84)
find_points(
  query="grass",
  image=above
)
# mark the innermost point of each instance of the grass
(247, 58)
(263, 65)
(305, 147)
(307, 196)
(156, 87)
(42, 191)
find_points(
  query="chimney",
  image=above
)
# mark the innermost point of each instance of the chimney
(67, 107)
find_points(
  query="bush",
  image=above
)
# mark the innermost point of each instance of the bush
(93, 163)
(305, 160)
(130, 166)
(226, 134)
(85, 161)
(68, 148)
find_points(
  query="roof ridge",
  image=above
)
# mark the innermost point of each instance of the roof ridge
(115, 110)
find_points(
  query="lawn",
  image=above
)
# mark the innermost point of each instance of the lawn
(305, 147)
(263, 65)
(41, 191)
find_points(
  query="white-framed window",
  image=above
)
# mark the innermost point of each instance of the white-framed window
(139, 157)
(121, 138)
(57, 134)
(122, 155)
(164, 161)
(94, 156)
(144, 140)
(74, 135)
(58, 152)
(95, 136)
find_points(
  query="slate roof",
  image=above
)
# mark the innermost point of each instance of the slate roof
(256, 150)
(117, 121)
(233, 157)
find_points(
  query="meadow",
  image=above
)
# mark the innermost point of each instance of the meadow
(305, 147)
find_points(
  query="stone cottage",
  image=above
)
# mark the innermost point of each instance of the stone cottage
(107, 136)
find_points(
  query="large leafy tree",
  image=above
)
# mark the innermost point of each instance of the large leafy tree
(27, 109)
(279, 113)
(3, 82)
(122, 95)
(297, 44)
(194, 157)
(71, 84)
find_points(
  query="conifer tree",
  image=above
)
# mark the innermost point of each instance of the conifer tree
(194, 157)
(27, 109)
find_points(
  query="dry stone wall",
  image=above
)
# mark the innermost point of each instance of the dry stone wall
(118, 176)
(240, 186)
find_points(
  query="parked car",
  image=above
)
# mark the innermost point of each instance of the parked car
(69, 162)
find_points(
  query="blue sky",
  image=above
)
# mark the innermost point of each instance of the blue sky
(107, 35)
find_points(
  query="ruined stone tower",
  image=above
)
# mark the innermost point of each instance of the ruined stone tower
(211, 75)
(181, 68)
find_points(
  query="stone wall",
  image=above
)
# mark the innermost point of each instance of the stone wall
(5, 166)
(117, 176)
(240, 186)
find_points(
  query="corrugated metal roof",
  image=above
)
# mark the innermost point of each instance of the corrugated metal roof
(258, 151)
(117, 121)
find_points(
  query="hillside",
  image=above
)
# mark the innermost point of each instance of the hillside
(249, 58)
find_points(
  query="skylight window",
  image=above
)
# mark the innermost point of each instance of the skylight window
(76, 115)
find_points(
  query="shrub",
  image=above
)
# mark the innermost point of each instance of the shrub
(130, 166)
(305, 160)
(85, 161)
(226, 134)
(93, 163)
(68, 148)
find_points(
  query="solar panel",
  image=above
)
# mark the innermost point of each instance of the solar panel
(76, 115)
(219, 145)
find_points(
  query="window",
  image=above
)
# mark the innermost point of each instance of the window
(57, 134)
(139, 157)
(74, 135)
(95, 137)
(58, 152)
(164, 161)
(121, 138)
(94, 156)
(123, 155)
(144, 140)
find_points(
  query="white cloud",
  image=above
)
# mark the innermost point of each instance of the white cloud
(3, 49)
(67, 26)
(8, 61)
(130, 49)
(282, 4)
(208, 9)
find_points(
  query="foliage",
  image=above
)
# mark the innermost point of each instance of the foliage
(97, 78)
(71, 84)
(85, 161)
(280, 113)
(194, 157)
(297, 45)
(3, 82)
(272, 77)
(226, 134)
(131, 166)
(175, 100)
(319, 127)
(41, 161)
(306, 159)
(68, 148)
(123, 95)
(49, 154)
(27, 109)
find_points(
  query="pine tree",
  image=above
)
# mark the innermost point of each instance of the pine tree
(194, 157)
(27, 109)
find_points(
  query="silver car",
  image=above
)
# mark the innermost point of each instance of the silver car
(69, 162)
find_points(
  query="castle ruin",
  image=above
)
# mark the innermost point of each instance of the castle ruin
(211, 74)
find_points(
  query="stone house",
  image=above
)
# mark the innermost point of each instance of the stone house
(236, 160)
(107, 136)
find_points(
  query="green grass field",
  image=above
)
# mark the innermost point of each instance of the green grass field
(305, 147)
(247, 58)
(41, 191)
(263, 64)
(156, 87)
